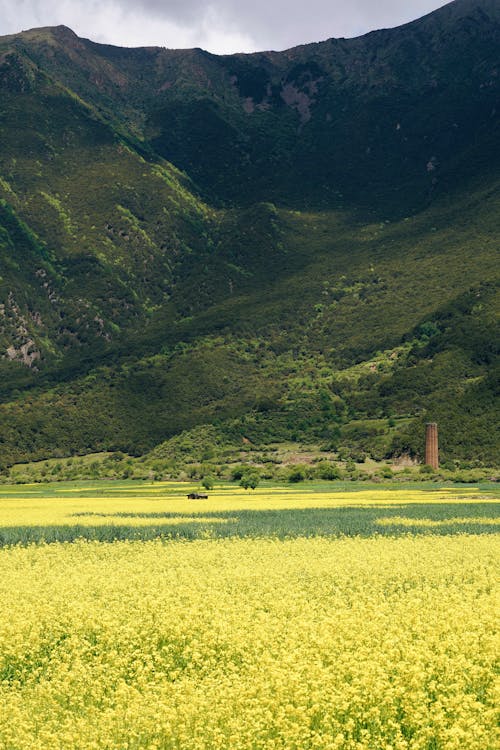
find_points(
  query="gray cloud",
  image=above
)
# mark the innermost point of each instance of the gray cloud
(217, 25)
(281, 23)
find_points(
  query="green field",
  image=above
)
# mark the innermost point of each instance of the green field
(108, 511)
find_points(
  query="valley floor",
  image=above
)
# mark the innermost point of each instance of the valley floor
(322, 616)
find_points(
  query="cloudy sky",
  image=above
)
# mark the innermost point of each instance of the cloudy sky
(217, 25)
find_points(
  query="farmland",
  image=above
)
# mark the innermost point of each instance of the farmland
(281, 618)
(108, 511)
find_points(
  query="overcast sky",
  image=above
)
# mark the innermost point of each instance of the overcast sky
(219, 26)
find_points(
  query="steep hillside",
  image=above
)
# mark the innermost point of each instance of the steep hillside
(381, 122)
(297, 244)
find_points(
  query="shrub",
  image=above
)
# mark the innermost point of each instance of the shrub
(297, 474)
(237, 472)
(207, 482)
(328, 471)
(426, 469)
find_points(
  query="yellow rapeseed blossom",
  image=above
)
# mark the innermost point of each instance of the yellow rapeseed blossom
(250, 644)
(436, 523)
(29, 506)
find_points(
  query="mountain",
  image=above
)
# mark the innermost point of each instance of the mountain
(291, 245)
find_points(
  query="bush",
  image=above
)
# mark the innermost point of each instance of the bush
(297, 474)
(426, 469)
(237, 472)
(207, 483)
(328, 471)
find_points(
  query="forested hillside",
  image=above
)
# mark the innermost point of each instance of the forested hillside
(291, 246)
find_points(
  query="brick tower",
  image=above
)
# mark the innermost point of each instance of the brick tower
(431, 445)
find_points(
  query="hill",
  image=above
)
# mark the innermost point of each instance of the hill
(288, 245)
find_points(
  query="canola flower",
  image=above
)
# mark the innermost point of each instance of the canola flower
(251, 644)
(433, 523)
(20, 508)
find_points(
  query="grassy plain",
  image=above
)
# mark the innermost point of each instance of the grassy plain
(318, 617)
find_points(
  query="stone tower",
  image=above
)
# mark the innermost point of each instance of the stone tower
(431, 445)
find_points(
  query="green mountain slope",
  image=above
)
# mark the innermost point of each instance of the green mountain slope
(296, 245)
(383, 121)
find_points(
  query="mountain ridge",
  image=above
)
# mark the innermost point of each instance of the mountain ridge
(273, 104)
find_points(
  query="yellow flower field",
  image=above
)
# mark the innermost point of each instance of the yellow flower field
(249, 644)
(430, 522)
(70, 506)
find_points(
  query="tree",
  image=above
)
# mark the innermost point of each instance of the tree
(207, 482)
(250, 480)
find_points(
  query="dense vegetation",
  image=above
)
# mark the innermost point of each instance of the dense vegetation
(290, 247)
(310, 643)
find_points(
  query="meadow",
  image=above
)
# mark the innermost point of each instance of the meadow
(284, 618)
